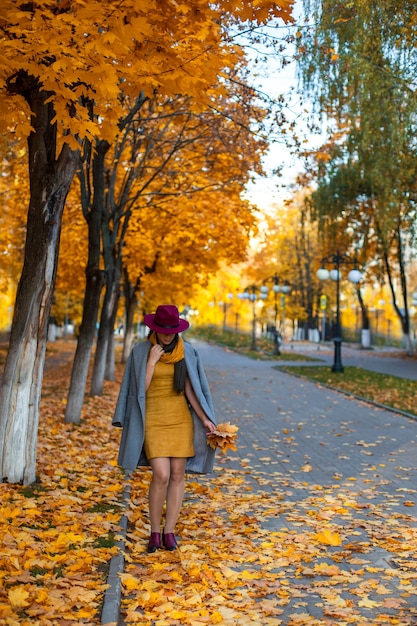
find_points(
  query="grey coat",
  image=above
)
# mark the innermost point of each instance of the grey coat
(130, 410)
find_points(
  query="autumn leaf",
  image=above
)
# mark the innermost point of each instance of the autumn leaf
(368, 604)
(18, 597)
(326, 570)
(253, 556)
(129, 581)
(329, 538)
(224, 437)
(57, 535)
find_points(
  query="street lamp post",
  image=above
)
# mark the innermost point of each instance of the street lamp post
(252, 298)
(277, 288)
(354, 276)
(224, 304)
(250, 294)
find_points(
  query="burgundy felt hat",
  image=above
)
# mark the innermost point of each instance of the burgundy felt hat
(166, 320)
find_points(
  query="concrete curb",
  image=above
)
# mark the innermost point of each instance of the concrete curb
(112, 598)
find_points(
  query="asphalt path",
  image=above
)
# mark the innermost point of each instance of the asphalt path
(318, 461)
(313, 447)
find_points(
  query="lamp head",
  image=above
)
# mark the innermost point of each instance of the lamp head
(355, 276)
(322, 274)
(334, 275)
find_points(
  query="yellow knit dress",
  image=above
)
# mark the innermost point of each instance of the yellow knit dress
(169, 429)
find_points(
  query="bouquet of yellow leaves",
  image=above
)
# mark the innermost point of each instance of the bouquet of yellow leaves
(224, 437)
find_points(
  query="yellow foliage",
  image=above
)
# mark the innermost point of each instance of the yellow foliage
(77, 61)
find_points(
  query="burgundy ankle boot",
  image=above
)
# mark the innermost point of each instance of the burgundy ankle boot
(154, 542)
(169, 541)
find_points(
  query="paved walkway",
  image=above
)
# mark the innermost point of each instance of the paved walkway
(333, 484)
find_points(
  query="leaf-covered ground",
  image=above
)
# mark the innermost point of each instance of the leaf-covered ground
(263, 541)
(311, 523)
(240, 563)
(57, 535)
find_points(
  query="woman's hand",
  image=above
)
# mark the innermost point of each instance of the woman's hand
(208, 425)
(155, 354)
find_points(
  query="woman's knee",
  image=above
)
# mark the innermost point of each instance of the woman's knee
(177, 473)
(160, 473)
(160, 478)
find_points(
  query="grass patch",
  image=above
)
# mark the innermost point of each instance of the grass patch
(392, 391)
(103, 507)
(106, 541)
(241, 342)
(38, 571)
(33, 490)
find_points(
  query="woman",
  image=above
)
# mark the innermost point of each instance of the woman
(166, 411)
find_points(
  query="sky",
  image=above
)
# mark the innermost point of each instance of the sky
(277, 81)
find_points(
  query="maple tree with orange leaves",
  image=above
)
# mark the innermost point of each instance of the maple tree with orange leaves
(63, 69)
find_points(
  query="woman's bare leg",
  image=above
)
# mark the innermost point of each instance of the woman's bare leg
(175, 493)
(158, 491)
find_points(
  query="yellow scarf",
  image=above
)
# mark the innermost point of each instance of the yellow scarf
(170, 357)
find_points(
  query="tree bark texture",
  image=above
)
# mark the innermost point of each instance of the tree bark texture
(364, 311)
(20, 391)
(131, 305)
(403, 315)
(82, 357)
(95, 280)
(106, 320)
(110, 369)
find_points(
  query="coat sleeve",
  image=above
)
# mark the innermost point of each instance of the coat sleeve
(203, 460)
(130, 409)
(205, 389)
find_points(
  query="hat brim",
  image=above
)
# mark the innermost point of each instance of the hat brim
(163, 330)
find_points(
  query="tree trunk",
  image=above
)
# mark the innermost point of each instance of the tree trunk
(95, 279)
(131, 304)
(131, 307)
(408, 343)
(99, 369)
(364, 310)
(79, 374)
(20, 391)
(110, 369)
(403, 316)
